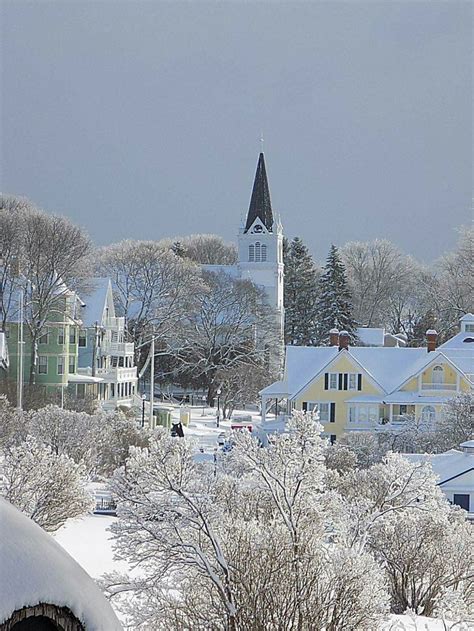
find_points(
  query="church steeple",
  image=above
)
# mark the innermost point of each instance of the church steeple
(260, 203)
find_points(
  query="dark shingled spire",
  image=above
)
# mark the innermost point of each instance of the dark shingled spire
(260, 204)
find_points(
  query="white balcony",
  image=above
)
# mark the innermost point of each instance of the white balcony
(117, 348)
(441, 387)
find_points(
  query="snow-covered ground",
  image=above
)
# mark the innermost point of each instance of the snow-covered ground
(89, 542)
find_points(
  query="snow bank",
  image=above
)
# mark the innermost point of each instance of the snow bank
(35, 569)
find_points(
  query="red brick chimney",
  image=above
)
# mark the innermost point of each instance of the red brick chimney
(334, 337)
(343, 340)
(431, 338)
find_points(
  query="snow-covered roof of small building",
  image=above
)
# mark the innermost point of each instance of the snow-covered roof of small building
(36, 569)
(451, 464)
(279, 388)
(468, 317)
(371, 336)
(461, 341)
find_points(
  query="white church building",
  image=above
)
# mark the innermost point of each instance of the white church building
(260, 251)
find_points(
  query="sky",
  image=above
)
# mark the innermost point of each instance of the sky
(142, 120)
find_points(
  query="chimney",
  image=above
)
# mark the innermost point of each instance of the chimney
(431, 337)
(334, 337)
(343, 340)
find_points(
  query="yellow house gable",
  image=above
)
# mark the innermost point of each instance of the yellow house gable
(344, 364)
(331, 402)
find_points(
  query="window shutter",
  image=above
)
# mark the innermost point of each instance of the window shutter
(332, 417)
(359, 382)
(305, 406)
(326, 381)
(340, 381)
(345, 381)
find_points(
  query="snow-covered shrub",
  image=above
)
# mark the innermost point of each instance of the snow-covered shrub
(47, 487)
(246, 546)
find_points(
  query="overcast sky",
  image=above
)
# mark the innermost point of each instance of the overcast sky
(142, 119)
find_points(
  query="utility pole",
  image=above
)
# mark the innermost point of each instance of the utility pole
(20, 355)
(152, 379)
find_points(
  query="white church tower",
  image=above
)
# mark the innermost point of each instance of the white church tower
(260, 245)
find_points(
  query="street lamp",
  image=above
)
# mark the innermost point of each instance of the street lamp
(203, 403)
(218, 392)
(143, 410)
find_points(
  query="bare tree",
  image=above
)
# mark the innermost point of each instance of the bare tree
(47, 259)
(380, 277)
(208, 249)
(153, 287)
(231, 327)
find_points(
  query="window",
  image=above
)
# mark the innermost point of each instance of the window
(469, 328)
(72, 335)
(72, 364)
(251, 253)
(264, 252)
(114, 361)
(462, 500)
(428, 414)
(61, 336)
(82, 339)
(326, 410)
(44, 338)
(342, 381)
(257, 252)
(438, 374)
(403, 410)
(352, 414)
(121, 362)
(81, 390)
(60, 365)
(42, 365)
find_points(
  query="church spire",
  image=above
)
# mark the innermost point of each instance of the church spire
(260, 203)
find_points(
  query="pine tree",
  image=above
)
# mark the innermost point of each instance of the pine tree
(334, 307)
(300, 294)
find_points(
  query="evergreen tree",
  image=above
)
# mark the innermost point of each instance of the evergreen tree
(334, 307)
(300, 294)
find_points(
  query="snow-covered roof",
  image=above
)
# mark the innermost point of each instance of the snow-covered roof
(3, 351)
(371, 336)
(36, 569)
(451, 464)
(96, 302)
(81, 378)
(468, 317)
(275, 389)
(462, 341)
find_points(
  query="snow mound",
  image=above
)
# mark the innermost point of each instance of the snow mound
(36, 569)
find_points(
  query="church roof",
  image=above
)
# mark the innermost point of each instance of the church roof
(260, 203)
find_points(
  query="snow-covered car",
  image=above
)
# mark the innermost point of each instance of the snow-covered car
(221, 439)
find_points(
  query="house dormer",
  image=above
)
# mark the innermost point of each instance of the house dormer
(467, 323)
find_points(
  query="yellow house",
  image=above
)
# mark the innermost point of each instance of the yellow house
(370, 388)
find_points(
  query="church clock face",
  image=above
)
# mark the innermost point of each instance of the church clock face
(258, 228)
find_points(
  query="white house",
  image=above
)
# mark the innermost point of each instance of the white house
(455, 470)
(103, 350)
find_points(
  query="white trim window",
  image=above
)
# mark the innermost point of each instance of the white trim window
(72, 364)
(363, 414)
(42, 364)
(352, 381)
(44, 337)
(428, 414)
(251, 253)
(60, 364)
(333, 381)
(61, 336)
(325, 409)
